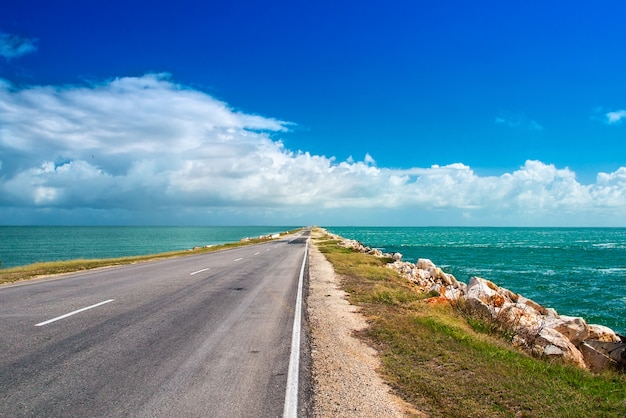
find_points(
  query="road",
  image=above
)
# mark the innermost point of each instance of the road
(199, 336)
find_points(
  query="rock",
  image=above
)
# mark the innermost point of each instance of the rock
(478, 288)
(462, 287)
(492, 295)
(615, 351)
(453, 281)
(358, 247)
(425, 264)
(422, 274)
(533, 304)
(595, 360)
(551, 343)
(573, 328)
(422, 277)
(521, 318)
(551, 313)
(539, 330)
(439, 276)
(452, 293)
(477, 307)
(349, 243)
(602, 333)
(552, 350)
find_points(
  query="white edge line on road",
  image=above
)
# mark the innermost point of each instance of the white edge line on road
(72, 313)
(291, 394)
(199, 271)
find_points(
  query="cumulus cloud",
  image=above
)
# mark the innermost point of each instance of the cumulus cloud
(615, 117)
(13, 46)
(147, 145)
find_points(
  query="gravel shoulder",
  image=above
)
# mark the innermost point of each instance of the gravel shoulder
(344, 378)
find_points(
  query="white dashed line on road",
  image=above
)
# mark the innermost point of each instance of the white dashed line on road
(72, 313)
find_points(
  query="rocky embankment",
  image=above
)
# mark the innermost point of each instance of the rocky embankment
(538, 330)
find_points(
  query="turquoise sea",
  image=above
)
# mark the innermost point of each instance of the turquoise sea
(577, 271)
(22, 245)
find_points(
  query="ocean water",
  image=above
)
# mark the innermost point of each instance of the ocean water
(577, 271)
(22, 245)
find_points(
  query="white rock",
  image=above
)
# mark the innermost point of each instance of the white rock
(551, 313)
(438, 275)
(478, 288)
(422, 274)
(453, 281)
(523, 319)
(533, 304)
(462, 288)
(573, 328)
(602, 333)
(552, 350)
(452, 293)
(551, 343)
(425, 264)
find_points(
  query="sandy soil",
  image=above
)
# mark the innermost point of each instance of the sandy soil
(345, 382)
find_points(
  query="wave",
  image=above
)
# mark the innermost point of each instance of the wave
(609, 245)
(600, 270)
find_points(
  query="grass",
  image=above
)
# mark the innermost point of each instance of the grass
(36, 270)
(448, 367)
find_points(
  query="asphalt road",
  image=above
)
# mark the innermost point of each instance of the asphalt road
(198, 336)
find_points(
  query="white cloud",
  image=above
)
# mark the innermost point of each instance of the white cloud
(615, 117)
(13, 46)
(519, 121)
(142, 146)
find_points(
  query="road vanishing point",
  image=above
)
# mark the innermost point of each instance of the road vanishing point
(207, 335)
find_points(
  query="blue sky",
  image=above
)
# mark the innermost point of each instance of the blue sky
(329, 113)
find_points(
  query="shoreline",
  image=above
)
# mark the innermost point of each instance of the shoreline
(538, 330)
(578, 272)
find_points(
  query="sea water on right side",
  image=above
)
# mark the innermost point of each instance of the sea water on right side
(577, 271)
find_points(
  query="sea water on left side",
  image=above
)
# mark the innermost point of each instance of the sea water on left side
(22, 245)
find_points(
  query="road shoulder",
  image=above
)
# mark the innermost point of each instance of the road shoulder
(344, 378)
